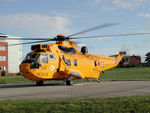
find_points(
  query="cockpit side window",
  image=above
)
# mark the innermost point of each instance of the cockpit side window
(30, 56)
(44, 58)
(33, 56)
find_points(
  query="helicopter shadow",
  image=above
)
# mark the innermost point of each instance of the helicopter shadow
(28, 85)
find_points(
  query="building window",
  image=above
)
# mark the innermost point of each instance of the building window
(2, 40)
(2, 48)
(2, 68)
(2, 58)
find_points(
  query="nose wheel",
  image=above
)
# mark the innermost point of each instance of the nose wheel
(69, 82)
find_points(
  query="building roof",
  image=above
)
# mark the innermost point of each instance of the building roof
(8, 36)
(2, 34)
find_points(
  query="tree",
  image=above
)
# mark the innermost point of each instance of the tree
(147, 60)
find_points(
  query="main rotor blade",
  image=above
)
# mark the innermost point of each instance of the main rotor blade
(98, 36)
(94, 28)
(31, 42)
(4, 37)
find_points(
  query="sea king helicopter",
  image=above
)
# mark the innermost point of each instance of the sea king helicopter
(63, 61)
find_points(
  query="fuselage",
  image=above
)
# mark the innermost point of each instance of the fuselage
(62, 61)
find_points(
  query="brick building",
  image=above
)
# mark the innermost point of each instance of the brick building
(10, 56)
(4, 56)
(130, 61)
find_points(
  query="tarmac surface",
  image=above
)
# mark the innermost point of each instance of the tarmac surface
(83, 90)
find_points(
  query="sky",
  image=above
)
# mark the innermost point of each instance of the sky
(48, 18)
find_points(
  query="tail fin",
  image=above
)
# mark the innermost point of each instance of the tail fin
(119, 57)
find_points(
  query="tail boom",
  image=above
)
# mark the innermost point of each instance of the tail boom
(109, 62)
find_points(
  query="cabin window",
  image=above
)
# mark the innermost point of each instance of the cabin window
(75, 62)
(44, 58)
(51, 57)
(95, 63)
(67, 50)
(68, 62)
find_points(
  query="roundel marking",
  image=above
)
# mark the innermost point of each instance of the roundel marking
(102, 64)
(116, 61)
(52, 67)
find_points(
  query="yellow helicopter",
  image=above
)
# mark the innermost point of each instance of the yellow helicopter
(63, 61)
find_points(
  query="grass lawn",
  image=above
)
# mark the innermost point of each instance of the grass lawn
(116, 74)
(136, 104)
(14, 80)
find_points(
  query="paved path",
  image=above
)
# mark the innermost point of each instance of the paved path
(84, 90)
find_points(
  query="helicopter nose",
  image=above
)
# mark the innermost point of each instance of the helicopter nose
(24, 68)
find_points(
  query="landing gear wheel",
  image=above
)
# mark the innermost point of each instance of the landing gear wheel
(39, 83)
(85, 80)
(98, 81)
(69, 82)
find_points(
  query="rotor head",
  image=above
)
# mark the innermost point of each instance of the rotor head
(61, 37)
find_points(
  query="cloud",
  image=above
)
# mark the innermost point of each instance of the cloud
(138, 49)
(107, 51)
(79, 44)
(145, 15)
(119, 4)
(105, 38)
(97, 2)
(9, 1)
(127, 3)
(36, 23)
